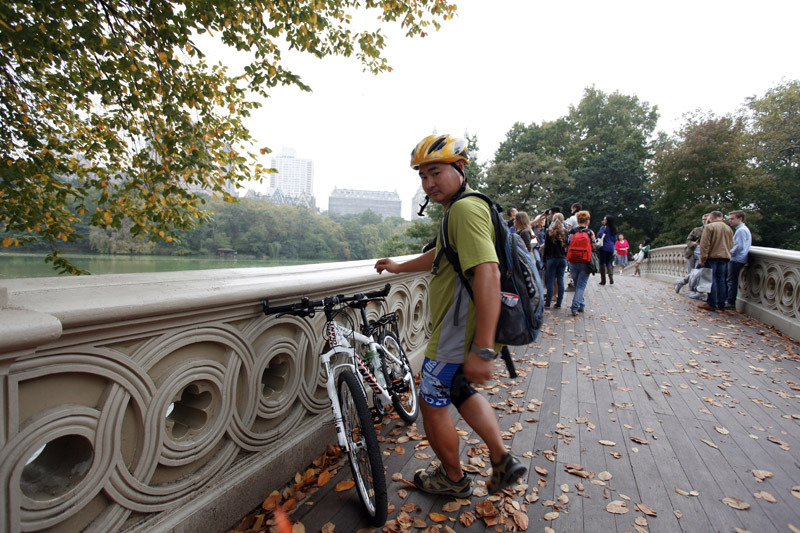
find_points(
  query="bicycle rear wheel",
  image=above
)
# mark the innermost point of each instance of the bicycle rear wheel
(364, 452)
(399, 377)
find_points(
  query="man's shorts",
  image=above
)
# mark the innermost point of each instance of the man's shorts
(444, 383)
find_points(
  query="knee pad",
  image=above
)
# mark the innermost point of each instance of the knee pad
(460, 389)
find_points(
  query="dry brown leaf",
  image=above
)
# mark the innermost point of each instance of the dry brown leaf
(272, 501)
(448, 529)
(323, 478)
(564, 487)
(796, 491)
(397, 476)
(552, 515)
(640, 521)
(403, 493)
(345, 485)
(541, 470)
(761, 475)
(722, 430)
(521, 519)
(607, 443)
(736, 503)
(708, 442)
(793, 529)
(451, 507)
(549, 530)
(617, 507)
(563, 499)
(437, 517)
(639, 440)
(646, 509)
(766, 496)
(328, 528)
(604, 476)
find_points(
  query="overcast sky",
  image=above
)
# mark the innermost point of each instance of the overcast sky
(505, 61)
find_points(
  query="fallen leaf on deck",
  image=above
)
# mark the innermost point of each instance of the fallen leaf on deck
(552, 515)
(761, 475)
(345, 485)
(607, 443)
(736, 503)
(617, 507)
(541, 470)
(766, 496)
(437, 517)
(328, 528)
(451, 507)
(722, 430)
(323, 478)
(796, 491)
(708, 442)
(604, 476)
(646, 509)
(677, 514)
(521, 519)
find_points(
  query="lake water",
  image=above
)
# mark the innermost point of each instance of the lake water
(14, 265)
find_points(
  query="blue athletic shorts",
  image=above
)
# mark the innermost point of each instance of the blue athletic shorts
(444, 383)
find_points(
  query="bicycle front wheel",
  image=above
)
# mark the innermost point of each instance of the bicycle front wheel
(364, 452)
(399, 377)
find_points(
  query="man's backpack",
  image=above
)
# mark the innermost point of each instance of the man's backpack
(580, 247)
(522, 300)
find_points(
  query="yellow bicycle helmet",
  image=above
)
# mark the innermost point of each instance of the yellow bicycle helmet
(442, 148)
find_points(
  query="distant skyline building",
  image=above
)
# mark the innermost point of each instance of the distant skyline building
(351, 202)
(295, 176)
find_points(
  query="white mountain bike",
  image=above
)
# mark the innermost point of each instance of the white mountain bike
(382, 368)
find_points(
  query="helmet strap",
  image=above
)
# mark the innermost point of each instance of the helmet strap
(422, 206)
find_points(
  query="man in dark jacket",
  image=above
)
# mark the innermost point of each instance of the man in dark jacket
(715, 252)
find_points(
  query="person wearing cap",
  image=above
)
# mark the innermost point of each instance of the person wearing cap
(461, 350)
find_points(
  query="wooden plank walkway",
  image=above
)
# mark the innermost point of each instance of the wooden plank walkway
(660, 404)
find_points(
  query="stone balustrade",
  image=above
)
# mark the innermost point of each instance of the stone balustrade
(769, 286)
(168, 402)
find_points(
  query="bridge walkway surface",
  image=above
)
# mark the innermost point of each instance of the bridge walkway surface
(643, 414)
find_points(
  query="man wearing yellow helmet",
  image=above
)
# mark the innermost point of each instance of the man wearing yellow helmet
(461, 350)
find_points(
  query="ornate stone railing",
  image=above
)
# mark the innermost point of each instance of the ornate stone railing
(769, 286)
(167, 401)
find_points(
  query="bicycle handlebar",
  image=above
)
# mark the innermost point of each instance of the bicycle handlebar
(306, 307)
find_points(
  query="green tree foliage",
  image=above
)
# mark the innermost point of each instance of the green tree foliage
(775, 186)
(606, 154)
(700, 169)
(113, 101)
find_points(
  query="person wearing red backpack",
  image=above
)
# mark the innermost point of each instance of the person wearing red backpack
(579, 254)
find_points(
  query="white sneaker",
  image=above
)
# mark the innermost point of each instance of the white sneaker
(678, 285)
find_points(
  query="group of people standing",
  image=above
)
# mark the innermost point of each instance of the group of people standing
(550, 233)
(721, 248)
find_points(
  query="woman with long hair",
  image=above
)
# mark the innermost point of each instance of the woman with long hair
(555, 259)
(608, 235)
(522, 223)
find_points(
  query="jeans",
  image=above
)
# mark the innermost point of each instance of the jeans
(733, 281)
(555, 270)
(691, 263)
(719, 283)
(580, 271)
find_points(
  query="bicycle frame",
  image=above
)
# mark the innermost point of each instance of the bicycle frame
(338, 336)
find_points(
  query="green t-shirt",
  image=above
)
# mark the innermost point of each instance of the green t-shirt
(471, 236)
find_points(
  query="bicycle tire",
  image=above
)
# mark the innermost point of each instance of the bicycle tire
(405, 397)
(364, 453)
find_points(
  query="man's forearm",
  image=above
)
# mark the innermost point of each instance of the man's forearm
(421, 263)
(486, 290)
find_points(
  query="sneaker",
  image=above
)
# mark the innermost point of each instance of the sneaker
(557, 306)
(706, 307)
(697, 296)
(505, 473)
(678, 286)
(437, 482)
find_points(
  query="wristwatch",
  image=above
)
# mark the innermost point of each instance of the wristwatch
(487, 354)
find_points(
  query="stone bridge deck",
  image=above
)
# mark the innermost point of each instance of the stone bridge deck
(661, 404)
